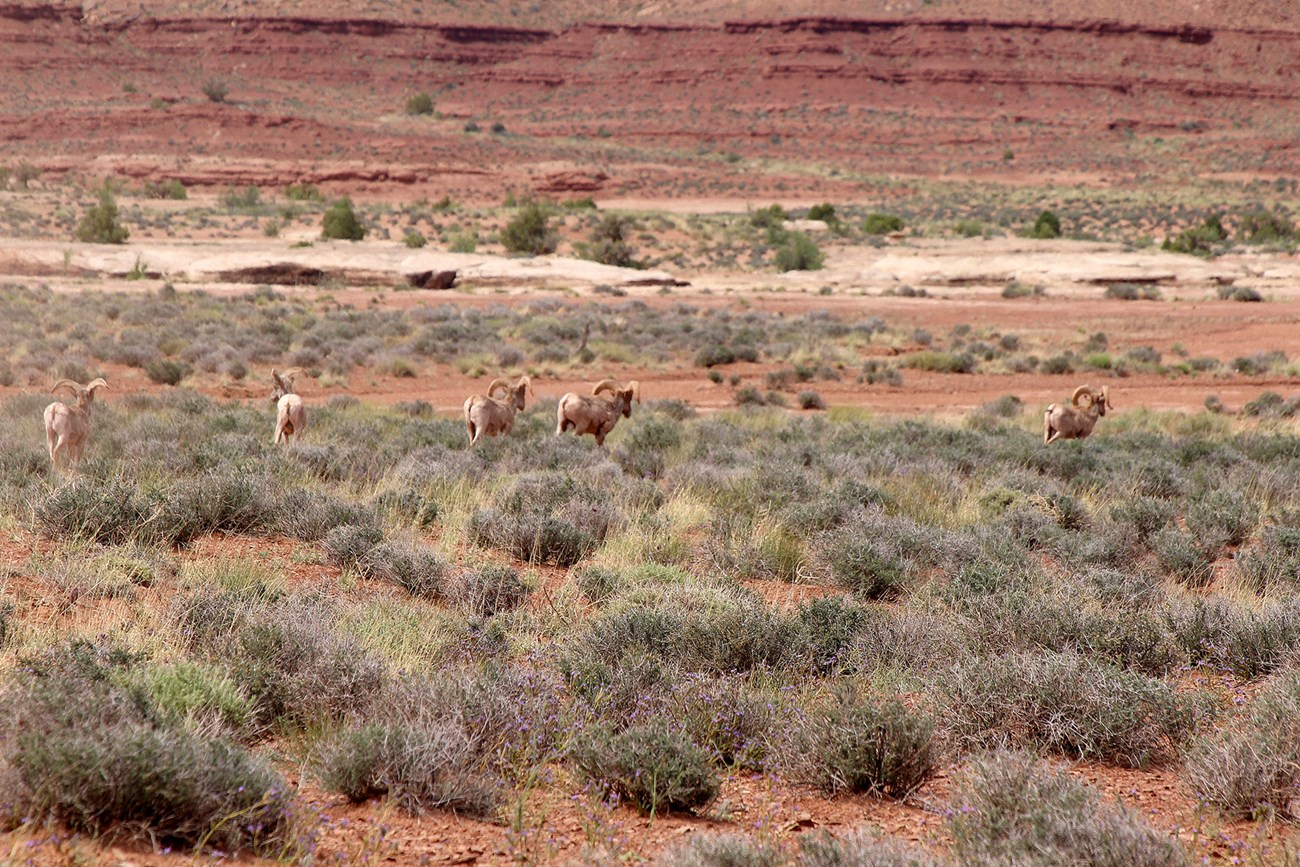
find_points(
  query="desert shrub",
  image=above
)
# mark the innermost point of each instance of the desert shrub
(737, 722)
(719, 353)
(86, 749)
(860, 743)
(1132, 292)
(1244, 641)
(798, 252)
(218, 501)
(831, 624)
(609, 242)
(165, 371)
(1065, 703)
(423, 764)
(725, 849)
(1183, 557)
(311, 515)
(882, 224)
(1239, 293)
(340, 222)
(862, 848)
(419, 103)
(1221, 517)
(349, 546)
(1145, 515)
(865, 564)
(106, 511)
(202, 696)
(700, 631)
(286, 656)
(1016, 289)
(1265, 227)
(769, 218)
(530, 232)
(811, 400)
(1257, 364)
(414, 239)
(652, 766)
(413, 566)
(1010, 809)
(546, 518)
(1198, 241)
(1273, 564)
(216, 90)
(100, 225)
(240, 197)
(1250, 767)
(1047, 225)
(493, 589)
(938, 361)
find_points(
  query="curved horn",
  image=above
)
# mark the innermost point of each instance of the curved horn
(76, 387)
(635, 388)
(1105, 396)
(605, 385)
(498, 383)
(97, 382)
(291, 372)
(525, 383)
(1080, 392)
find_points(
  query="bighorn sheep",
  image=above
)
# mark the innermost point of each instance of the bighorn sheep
(1074, 422)
(68, 427)
(490, 416)
(596, 415)
(290, 412)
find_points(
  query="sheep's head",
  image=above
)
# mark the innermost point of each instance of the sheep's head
(521, 388)
(623, 396)
(1086, 396)
(85, 394)
(282, 383)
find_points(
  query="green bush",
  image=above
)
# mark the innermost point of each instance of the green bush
(859, 744)
(1265, 227)
(798, 252)
(414, 239)
(882, 224)
(1198, 241)
(165, 371)
(725, 849)
(419, 103)
(340, 222)
(609, 242)
(302, 193)
(1132, 292)
(771, 218)
(1273, 564)
(937, 361)
(240, 197)
(1239, 293)
(1048, 225)
(100, 224)
(530, 232)
(492, 589)
(216, 90)
(1009, 809)
(651, 766)
(865, 564)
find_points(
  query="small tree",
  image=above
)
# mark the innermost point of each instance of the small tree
(530, 231)
(419, 103)
(341, 222)
(1048, 225)
(798, 253)
(609, 244)
(882, 224)
(100, 224)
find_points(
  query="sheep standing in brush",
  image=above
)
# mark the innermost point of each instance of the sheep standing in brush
(67, 427)
(596, 415)
(491, 416)
(290, 412)
(1076, 421)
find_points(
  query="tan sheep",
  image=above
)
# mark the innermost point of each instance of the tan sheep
(489, 416)
(596, 415)
(67, 428)
(290, 412)
(1076, 421)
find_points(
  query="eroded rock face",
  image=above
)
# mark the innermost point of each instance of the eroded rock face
(979, 88)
